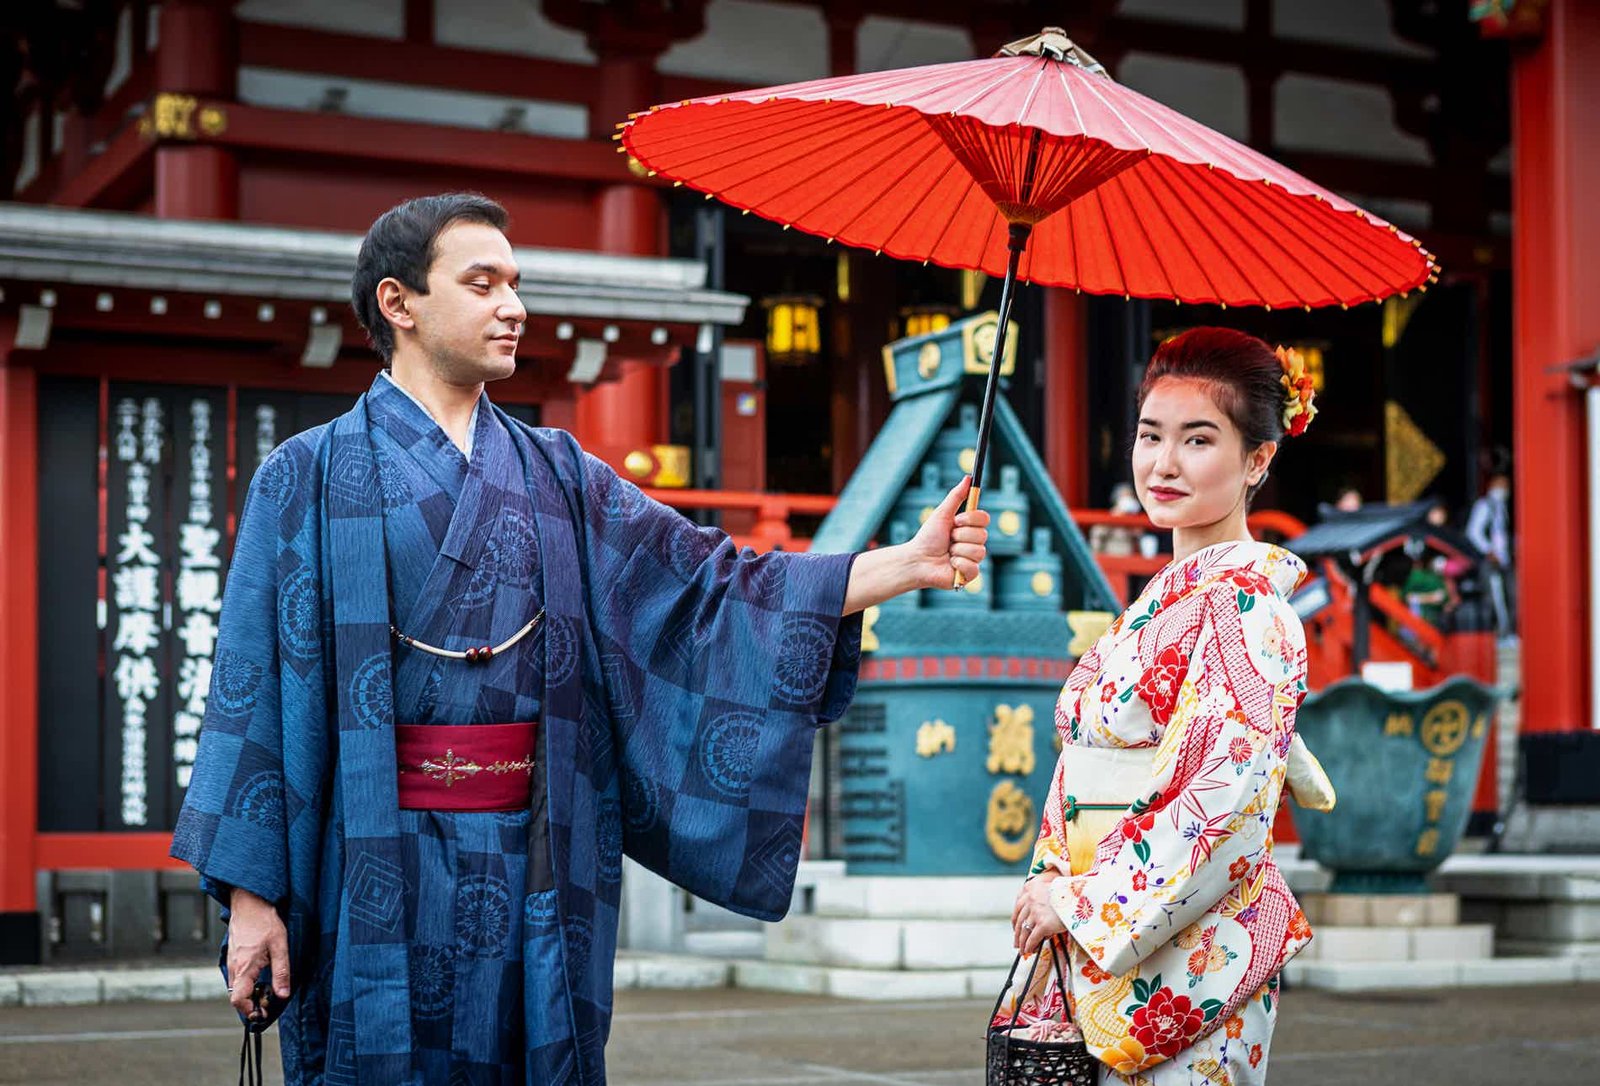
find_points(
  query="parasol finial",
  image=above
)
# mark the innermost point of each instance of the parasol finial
(1053, 42)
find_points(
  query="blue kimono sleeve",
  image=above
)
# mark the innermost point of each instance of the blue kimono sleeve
(231, 828)
(717, 664)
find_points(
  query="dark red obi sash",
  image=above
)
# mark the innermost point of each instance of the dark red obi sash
(471, 767)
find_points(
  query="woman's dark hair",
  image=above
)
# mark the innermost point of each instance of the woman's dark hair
(402, 245)
(1242, 373)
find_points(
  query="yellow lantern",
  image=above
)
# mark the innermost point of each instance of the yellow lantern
(923, 319)
(794, 330)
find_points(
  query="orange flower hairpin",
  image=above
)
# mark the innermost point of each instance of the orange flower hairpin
(1299, 392)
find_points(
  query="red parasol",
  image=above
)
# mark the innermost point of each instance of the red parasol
(1033, 164)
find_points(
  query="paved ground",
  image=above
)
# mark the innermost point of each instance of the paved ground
(733, 1038)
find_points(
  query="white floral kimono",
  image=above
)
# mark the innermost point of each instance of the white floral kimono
(1179, 923)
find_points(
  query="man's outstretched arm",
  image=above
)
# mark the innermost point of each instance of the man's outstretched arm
(949, 542)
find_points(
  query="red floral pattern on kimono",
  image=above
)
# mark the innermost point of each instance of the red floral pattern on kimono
(1183, 922)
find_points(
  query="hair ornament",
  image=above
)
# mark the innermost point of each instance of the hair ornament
(1299, 394)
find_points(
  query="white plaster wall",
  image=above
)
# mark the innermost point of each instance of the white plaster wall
(1315, 114)
(369, 18)
(1213, 94)
(755, 42)
(507, 26)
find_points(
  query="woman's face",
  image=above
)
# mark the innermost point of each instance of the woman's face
(1189, 462)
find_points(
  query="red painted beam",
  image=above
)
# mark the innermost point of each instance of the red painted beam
(19, 628)
(105, 851)
(462, 150)
(118, 177)
(1555, 281)
(293, 49)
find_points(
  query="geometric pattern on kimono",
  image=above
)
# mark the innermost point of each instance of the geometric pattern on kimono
(682, 683)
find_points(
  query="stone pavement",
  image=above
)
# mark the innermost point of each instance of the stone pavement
(727, 1037)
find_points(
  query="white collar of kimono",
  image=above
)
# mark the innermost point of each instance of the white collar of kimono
(472, 423)
(1283, 569)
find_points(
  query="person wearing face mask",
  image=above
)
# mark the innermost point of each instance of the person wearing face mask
(1489, 528)
(1153, 874)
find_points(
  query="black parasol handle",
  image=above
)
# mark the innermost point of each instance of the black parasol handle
(1019, 241)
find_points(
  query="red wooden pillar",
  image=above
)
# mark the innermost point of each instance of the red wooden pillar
(1066, 395)
(19, 655)
(1555, 282)
(198, 57)
(631, 412)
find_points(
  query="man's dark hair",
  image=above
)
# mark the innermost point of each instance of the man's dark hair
(402, 245)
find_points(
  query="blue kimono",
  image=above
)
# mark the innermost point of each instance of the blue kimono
(677, 684)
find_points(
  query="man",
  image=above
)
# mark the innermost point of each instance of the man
(1489, 528)
(462, 668)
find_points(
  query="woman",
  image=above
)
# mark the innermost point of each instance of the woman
(1154, 864)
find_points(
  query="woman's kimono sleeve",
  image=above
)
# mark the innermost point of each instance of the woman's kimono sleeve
(1169, 863)
(231, 828)
(718, 664)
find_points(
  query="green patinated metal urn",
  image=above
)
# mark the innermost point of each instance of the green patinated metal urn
(1405, 765)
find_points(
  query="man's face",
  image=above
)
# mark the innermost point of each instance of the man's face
(469, 321)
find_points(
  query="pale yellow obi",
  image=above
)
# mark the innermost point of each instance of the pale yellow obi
(1098, 785)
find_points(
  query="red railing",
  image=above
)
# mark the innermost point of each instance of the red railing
(771, 529)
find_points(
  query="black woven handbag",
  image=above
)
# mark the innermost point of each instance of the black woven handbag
(1019, 1061)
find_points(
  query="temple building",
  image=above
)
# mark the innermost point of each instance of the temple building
(186, 184)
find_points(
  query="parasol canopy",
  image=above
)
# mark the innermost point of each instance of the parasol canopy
(1124, 195)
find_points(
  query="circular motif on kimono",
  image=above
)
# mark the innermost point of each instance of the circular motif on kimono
(233, 683)
(768, 583)
(515, 551)
(579, 933)
(371, 693)
(608, 840)
(260, 799)
(428, 696)
(540, 912)
(433, 977)
(804, 657)
(641, 803)
(728, 752)
(392, 483)
(276, 477)
(300, 614)
(687, 548)
(483, 916)
(561, 649)
(620, 500)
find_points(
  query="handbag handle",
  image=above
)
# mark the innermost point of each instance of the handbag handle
(1033, 971)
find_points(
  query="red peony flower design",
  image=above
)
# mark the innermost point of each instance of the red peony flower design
(1158, 686)
(1137, 826)
(1237, 869)
(1167, 1023)
(1139, 880)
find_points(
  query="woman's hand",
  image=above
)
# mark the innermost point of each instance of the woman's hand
(1033, 918)
(256, 940)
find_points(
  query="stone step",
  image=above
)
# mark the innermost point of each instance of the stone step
(976, 897)
(843, 982)
(725, 944)
(52, 987)
(1458, 973)
(867, 943)
(1381, 910)
(1335, 943)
